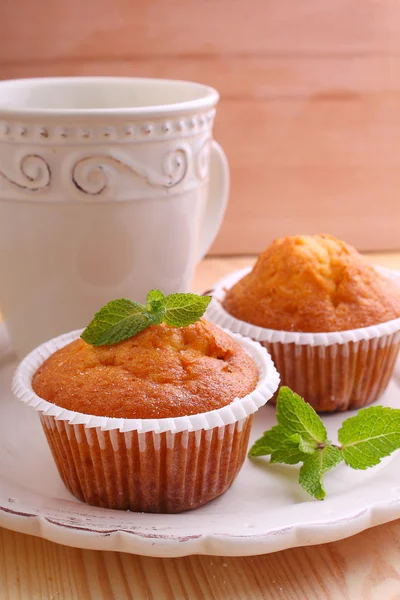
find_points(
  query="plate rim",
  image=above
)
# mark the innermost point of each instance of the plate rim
(213, 544)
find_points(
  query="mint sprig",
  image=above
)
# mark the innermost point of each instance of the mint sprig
(121, 319)
(300, 437)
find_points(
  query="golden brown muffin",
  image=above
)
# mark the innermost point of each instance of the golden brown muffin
(161, 372)
(313, 284)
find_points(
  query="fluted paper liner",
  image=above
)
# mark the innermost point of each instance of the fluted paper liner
(332, 371)
(149, 465)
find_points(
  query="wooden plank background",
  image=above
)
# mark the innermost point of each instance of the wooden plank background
(310, 109)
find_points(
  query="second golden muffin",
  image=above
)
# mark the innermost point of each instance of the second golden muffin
(313, 284)
(329, 319)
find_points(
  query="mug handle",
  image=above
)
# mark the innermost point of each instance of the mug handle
(218, 192)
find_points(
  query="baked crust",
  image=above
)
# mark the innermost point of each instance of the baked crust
(313, 284)
(161, 372)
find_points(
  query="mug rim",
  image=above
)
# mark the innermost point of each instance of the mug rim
(208, 97)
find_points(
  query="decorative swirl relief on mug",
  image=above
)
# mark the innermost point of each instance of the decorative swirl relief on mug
(90, 175)
(100, 174)
(34, 174)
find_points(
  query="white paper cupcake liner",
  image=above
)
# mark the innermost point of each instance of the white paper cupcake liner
(147, 472)
(332, 371)
(233, 412)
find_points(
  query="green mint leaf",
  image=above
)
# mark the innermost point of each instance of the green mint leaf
(304, 446)
(155, 295)
(184, 309)
(288, 454)
(156, 315)
(281, 447)
(121, 319)
(370, 436)
(314, 466)
(155, 301)
(297, 417)
(298, 434)
(116, 321)
(267, 443)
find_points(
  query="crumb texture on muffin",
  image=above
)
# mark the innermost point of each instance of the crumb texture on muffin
(161, 372)
(313, 284)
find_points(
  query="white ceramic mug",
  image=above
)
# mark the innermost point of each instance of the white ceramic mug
(109, 187)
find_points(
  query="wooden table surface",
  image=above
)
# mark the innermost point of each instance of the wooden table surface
(363, 567)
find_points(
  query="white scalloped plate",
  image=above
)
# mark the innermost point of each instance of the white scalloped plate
(264, 511)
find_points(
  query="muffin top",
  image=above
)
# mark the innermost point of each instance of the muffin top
(161, 372)
(313, 284)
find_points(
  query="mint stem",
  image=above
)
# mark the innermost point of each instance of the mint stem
(323, 445)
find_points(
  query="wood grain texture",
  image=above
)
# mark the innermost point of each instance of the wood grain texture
(97, 29)
(255, 77)
(364, 567)
(310, 93)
